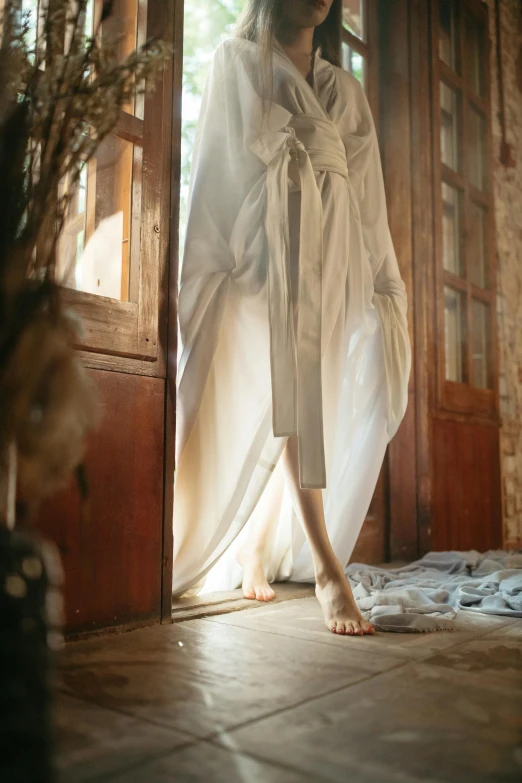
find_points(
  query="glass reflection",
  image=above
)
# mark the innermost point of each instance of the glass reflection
(353, 17)
(477, 148)
(451, 229)
(475, 56)
(354, 63)
(480, 328)
(449, 127)
(454, 309)
(478, 245)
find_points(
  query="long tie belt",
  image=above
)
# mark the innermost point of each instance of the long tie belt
(311, 144)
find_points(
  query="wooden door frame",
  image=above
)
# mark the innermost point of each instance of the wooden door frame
(399, 98)
(176, 21)
(423, 258)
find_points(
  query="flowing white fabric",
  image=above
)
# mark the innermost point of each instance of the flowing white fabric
(292, 315)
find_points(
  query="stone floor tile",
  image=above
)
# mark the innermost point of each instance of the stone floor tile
(204, 677)
(206, 763)
(302, 619)
(511, 630)
(495, 658)
(418, 722)
(92, 742)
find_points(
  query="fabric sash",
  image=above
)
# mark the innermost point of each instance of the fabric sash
(306, 145)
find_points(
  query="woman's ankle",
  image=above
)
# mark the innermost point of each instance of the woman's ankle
(250, 553)
(325, 575)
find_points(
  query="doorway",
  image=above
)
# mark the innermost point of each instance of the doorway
(205, 26)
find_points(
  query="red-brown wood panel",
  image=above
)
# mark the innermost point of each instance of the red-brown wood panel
(466, 486)
(397, 166)
(112, 560)
(423, 257)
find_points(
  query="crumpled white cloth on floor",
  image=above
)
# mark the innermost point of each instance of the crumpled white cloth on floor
(427, 594)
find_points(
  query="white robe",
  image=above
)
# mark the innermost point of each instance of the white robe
(292, 315)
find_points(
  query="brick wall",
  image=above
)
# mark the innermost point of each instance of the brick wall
(508, 214)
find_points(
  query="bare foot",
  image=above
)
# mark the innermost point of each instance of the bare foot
(255, 585)
(339, 608)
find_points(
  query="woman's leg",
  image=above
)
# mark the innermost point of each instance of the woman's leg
(263, 523)
(332, 587)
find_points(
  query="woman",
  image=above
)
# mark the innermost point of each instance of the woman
(295, 356)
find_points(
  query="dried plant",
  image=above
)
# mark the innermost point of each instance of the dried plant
(60, 96)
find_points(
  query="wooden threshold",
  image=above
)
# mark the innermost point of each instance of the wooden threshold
(199, 606)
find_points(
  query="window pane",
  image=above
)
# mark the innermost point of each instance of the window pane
(121, 30)
(477, 149)
(452, 229)
(354, 63)
(449, 127)
(353, 17)
(454, 312)
(478, 245)
(72, 241)
(30, 9)
(481, 358)
(95, 250)
(447, 33)
(475, 55)
(89, 18)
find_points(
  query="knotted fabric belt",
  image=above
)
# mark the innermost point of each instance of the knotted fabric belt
(311, 144)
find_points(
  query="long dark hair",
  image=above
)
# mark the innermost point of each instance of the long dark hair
(261, 20)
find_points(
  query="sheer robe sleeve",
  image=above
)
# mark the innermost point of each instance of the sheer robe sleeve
(214, 200)
(389, 290)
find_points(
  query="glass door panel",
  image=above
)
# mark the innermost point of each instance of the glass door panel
(475, 55)
(354, 63)
(449, 127)
(479, 245)
(95, 251)
(454, 334)
(448, 34)
(358, 38)
(354, 17)
(480, 315)
(452, 224)
(477, 158)
(121, 30)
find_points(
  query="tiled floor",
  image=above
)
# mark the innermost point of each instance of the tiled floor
(270, 696)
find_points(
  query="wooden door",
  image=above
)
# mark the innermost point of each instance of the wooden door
(465, 416)
(115, 257)
(443, 464)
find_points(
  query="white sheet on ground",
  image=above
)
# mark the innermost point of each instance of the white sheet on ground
(427, 594)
